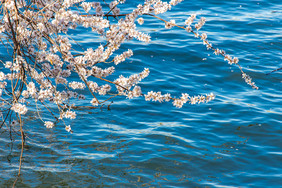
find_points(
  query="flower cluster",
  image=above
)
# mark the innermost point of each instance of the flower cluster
(51, 69)
(120, 58)
(49, 124)
(170, 24)
(124, 84)
(69, 114)
(77, 85)
(189, 21)
(99, 72)
(94, 102)
(200, 24)
(161, 7)
(19, 108)
(178, 102)
(248, 80)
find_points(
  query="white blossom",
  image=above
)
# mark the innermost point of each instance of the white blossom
(2, 76)
(19, 108)
(140, 21)
(49, 124)
(70, 114)
(94, 102)
(68, 128)
(51, 66)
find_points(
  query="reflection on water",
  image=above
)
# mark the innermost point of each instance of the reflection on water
(127, 158)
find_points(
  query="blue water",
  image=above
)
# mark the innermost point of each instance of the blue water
(233, 141)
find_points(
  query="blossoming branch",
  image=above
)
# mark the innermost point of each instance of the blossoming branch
(46, 68)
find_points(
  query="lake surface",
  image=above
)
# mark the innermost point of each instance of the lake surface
(232, 141)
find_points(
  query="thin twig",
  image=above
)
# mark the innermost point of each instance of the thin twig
(274, 71)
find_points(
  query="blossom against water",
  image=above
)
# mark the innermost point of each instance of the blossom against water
(54, 70)
(68, 128)
(170, 24)
(140, 21)
(70, 114)
(19, 108)
(49, 124)
(94, 102)
(2, 76)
